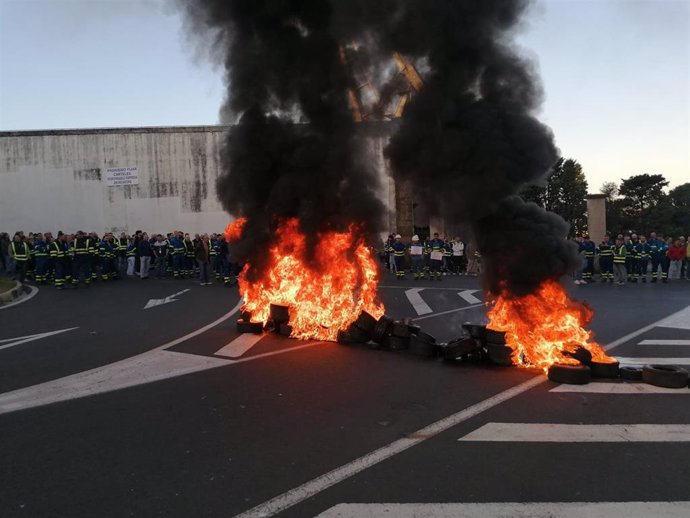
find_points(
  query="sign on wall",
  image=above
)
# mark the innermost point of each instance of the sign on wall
(122, 176)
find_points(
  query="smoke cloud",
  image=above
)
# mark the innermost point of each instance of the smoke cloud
(468, 141)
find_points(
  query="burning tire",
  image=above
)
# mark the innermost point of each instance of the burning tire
(396, 343)
(421, 347)
(495, 337)
(475, 329)
(604, 370)
(582, 355)
(366, 322)
(499, 354)
(400, 330)
(569, 374)
(457, 348)
(279, 314)
(630, 373)
(244, 326)
(381, 329)
(285, 329)
(665, 376)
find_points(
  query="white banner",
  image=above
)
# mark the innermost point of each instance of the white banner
(122, 176)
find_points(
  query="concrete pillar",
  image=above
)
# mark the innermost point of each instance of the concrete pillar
(403, 210)
(596, 216)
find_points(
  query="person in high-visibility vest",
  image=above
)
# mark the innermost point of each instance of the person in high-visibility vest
(620, 252)
(58, 253)
(83, 257)
(19, 252)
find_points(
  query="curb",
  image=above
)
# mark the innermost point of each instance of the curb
(14, 293)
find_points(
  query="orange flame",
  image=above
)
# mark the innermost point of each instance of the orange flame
(543, 326)
(234, 230)
(324, 296)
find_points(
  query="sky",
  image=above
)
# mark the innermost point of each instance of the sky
(615, 74)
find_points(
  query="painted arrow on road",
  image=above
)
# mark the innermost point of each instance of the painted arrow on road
(468, 296)
(11, 342)
(152, 303)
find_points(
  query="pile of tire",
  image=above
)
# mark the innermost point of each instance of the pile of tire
(389, 334)
(587, 369)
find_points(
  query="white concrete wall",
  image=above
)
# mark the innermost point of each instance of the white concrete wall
(55, 180)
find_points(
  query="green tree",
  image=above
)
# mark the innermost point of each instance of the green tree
(610, 189)
(564, 193)
(642, 193)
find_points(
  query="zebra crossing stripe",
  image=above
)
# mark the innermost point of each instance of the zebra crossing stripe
(554, 432)
(515, 509)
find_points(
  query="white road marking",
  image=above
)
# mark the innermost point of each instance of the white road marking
(447, 312)
(33, 291)
(11, 342)
(421, 307)
(676, 320)
(239, 345)
(552, 432)
(309, 489)
(513, 509)
(664, 342)
(152, 303)
(679, 320)
(625, 360)
(468, 297)
(618, 388)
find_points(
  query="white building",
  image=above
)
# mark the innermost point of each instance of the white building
(124, 179)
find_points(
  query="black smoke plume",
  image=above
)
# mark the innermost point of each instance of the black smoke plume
(293, 151)
(468, 141)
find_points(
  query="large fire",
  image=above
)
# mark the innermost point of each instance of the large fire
(543, 327)
(325, 294)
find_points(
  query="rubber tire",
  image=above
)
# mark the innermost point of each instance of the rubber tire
(366, 322)
(400, 330)
(500, 354)
(395, 343)
(426, 337)
(279, 314)
(475, 329)
(285, 330)
(423, 348)
(345, 338)
(582, 355)
(457, 348)
(630, 373)
(359, 334)
(495, 337)
(665, 376)
(414, 329)
(244, 326)
(604, 370)
(381, 329)
(570, 374)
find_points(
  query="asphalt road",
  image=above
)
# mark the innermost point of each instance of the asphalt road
(165, 411)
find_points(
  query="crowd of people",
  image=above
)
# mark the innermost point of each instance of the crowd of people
(634, 258)
(430, 258)
(71, 260)
(627, 258)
